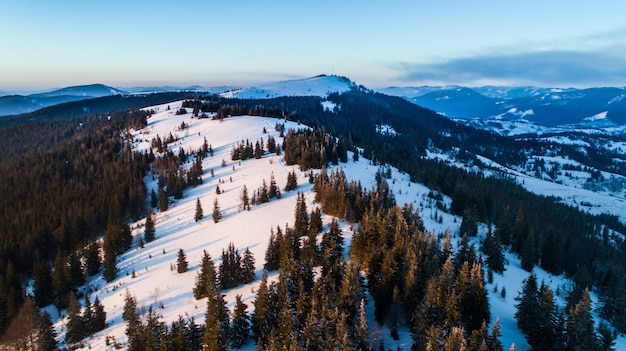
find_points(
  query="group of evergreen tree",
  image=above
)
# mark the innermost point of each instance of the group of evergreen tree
(313, 148)
(234, 269)
(148, 332)
(546, 326)
(264, 193)
(245, 150)
(303, 312)
(90, 321)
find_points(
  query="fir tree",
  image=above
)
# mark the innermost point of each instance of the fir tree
(274, 191)
(217, 212)
(492, 248)
(580, 334)
(163, 201)
(216, 320)
(245, 199)
(493, 339)
(199, 214)
(92, 259)
(262, 319)
(606, 338)
(292, 181)
(301, 224)
(248, 268)
(109, 263)
(149, 232)
(551, 254)
(205, 277)
(42, 284)
(469, 226)
(75, 327)
(181, 262)
(46, 338)
(99, 316)
(75, 271)
(241, 324)
(60, 282)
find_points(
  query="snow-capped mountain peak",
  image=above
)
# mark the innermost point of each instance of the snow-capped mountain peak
(321, 86)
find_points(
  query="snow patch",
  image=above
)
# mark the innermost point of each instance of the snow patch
(385, 129)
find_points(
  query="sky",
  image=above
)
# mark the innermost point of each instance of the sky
(557, 43)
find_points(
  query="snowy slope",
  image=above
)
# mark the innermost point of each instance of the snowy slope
(316, 86)
(155, 284)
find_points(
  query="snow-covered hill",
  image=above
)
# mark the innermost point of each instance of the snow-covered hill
(17, 104)
(321, 86)
(147, 272)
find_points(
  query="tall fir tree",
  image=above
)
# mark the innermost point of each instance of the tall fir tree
(248, 267)
(206, 276)
(42, 284)
(493, 251)
(292, 181)
(163, 200)
(99, 316)
(92, 259)
(149, 231)
(199, 213)
(217, 211)
(245, 199)
(110, 260)
(262, 317)
(181, 262)
(46, 338)
(241, 324)
(75, 326)
(580, 332)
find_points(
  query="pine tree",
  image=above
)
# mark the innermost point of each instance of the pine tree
(241, 324)
(217, 212)
(216, 320)
(75, 331)
(274, 191)
(99, 316)
(248, 268)
(149, 232)
(163, 200)
(262, 318)
(92, 259)
(110, 260)
(42, 284)
(301, 224)
(492, 248)
(580, 334)
(245, 199)
(469, 226)
(292, 181)
(75, 271)
(493, 339)
(551, 254)
(60, 282)
(199, 214)
(206, 276)
(606, 338)
(46, 338)
(181, 262)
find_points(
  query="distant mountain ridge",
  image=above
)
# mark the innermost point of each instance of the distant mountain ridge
(543, 106)
(18, 104)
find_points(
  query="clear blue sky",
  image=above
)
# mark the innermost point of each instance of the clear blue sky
(556, 43)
